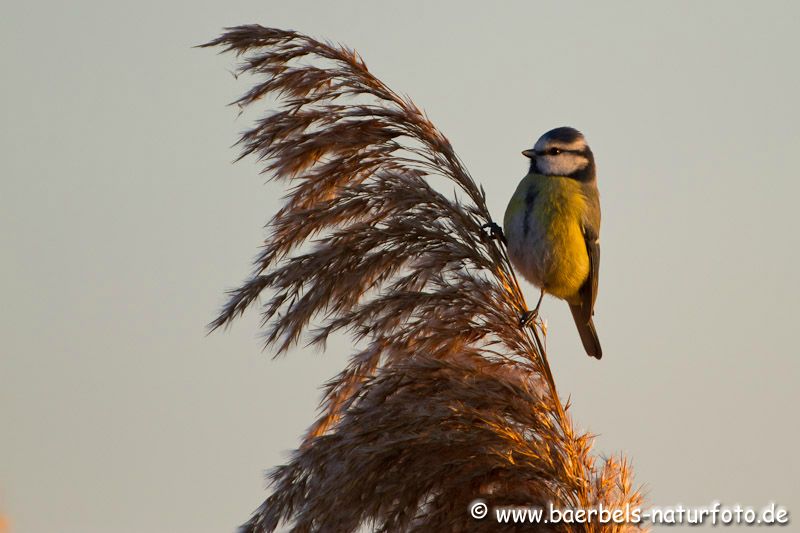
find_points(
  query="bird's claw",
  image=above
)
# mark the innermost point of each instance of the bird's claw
(495, 232)
(528, 318)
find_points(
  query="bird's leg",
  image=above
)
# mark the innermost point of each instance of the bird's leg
(528, 317)
(495, 232)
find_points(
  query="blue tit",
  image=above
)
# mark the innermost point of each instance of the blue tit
(552, 227)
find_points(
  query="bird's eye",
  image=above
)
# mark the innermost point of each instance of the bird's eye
(553, 151)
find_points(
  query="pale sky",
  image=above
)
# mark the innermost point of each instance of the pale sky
(123, 221)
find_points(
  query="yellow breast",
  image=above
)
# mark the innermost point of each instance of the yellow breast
(560, 212)
(544, 229)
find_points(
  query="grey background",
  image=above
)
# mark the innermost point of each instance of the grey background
(123, 221)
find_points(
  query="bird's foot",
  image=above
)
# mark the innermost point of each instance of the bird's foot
(528, 318)
(495, 232)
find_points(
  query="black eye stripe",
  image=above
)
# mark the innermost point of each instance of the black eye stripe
(556, 151)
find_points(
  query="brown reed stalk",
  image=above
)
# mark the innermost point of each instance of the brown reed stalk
(445, 398)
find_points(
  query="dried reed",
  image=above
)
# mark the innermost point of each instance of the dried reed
(446, 399)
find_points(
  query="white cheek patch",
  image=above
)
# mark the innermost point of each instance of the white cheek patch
(562, 164)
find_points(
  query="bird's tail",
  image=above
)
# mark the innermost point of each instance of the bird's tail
(587, 332)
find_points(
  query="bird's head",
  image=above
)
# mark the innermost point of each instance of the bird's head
(562, 152)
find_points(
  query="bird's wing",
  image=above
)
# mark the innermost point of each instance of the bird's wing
(588, 292)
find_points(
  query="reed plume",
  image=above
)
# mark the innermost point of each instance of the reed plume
(445, 398)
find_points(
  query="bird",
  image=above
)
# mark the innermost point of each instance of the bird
(552, 228)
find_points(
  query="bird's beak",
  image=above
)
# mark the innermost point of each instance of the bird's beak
(529, 153)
